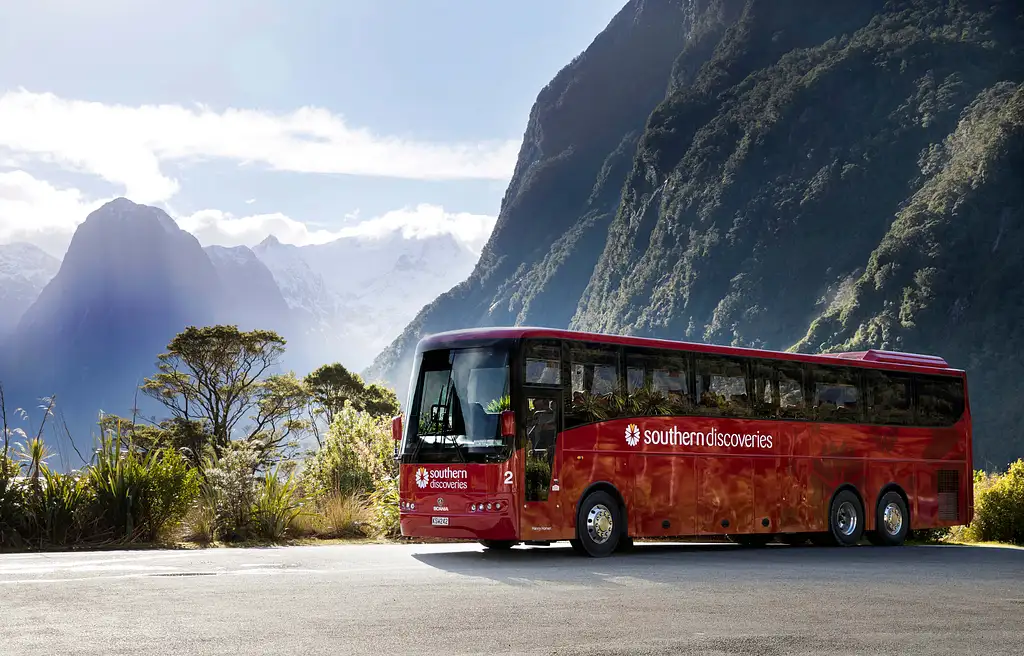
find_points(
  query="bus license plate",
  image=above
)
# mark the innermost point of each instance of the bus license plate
(439, 521)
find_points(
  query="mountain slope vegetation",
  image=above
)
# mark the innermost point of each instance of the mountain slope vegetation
(816, 176)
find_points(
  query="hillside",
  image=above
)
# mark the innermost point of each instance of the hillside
(779, 174)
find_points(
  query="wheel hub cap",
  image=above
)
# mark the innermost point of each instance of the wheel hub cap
(599, 523)
(846, 518)
(892, 517)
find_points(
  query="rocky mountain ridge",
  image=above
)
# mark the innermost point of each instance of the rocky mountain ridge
(785, 175)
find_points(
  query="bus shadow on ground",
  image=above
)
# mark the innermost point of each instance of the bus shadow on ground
(717, 563)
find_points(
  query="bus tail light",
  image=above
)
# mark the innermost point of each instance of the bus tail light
(508, 424)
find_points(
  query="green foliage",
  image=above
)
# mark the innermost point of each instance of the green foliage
(499, 405)
(218, 376)
(13, 518)
(999, 507)
(356, 455)
(57, 511)
(138, 496)
(231, 489)
(277, 505)
(147, 479)
(345, 516)
(384, 502)
(646, 401)
(332, 387)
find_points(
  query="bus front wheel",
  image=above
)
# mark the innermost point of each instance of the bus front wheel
(599, 524)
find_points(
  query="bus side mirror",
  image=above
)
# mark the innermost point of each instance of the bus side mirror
(508, 424)
(396, 428)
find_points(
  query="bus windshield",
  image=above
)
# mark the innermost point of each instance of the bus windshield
(454, 416)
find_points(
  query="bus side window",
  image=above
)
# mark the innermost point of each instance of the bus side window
(659, 381)
(722, 386)
(940, 400)
(836, 394)
(542, 361)
(791, 391)
(888, 398)
(779, 390)
(594, 373)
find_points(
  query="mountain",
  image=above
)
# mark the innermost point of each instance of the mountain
(130, 281)
(252, 298)
(789, 175)
(24, 271)
(357, 293)
(89, 330)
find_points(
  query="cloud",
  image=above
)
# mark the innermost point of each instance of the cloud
(214, 227)
(35, 211)
(126, 145)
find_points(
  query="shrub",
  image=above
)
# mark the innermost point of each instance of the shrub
(12, 507)
(276, 506)
(999, 507)
(357, 453)
(384, 502)
(57, 510)
(344, 516)
(139, 495)
(230, 492)
(201, 519)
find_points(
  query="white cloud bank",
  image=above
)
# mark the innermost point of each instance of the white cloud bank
(37, 212)
(214, 227)
(127, 145)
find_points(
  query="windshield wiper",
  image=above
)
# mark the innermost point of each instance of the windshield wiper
(448, 415)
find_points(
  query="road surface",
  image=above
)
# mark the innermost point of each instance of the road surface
(459, 599)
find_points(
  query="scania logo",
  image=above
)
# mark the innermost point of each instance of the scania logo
(440, 501)
(632, 435)
(422, 477)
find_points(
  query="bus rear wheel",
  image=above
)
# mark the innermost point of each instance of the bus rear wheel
(498, 545)
(846, 519)
(891, 521)
(599, 524)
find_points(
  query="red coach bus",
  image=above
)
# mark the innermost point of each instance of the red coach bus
(519, 435)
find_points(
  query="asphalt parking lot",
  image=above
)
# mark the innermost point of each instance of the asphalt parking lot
(460, 599)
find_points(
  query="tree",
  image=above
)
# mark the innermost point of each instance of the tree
(380, 401)
(190, 437)
(332, 386)
(217, 375)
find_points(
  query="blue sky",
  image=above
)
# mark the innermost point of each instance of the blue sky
(197, 107)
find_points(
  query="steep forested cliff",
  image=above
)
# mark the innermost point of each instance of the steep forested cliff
(785, 174)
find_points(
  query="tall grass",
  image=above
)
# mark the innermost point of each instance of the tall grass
(277, 506)
(57, 511)
(138, 495)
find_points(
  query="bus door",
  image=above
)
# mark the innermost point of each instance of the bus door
(540, 518)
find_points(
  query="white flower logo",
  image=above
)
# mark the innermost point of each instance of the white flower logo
(632, 435)
(422, 477)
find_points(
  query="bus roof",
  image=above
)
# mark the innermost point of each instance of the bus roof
(873, 358)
